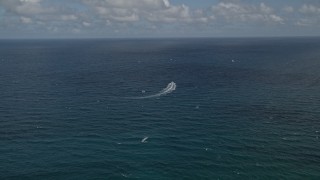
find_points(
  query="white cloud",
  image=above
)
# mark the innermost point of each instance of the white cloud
(86, 24)
(25, 7)
(146, 4)
(70, 17)
(310, 9)
(170, 14)
(141, 16)
(129, 18)
(25, 20)
(265, 9)
(244, 13)
(309, 16)
(31, 1)
(306, 22)
(276, 18)
(144, 10)
(288, 9)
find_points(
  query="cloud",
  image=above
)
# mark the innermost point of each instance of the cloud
(288, 9)
(143, 10)
(86, 24)
(309, 9)
(129, 18)
(25, 7)
(309, 16)
(26, 20)
(243, 13)
(145, 4)
(71, 17)
(161, 17)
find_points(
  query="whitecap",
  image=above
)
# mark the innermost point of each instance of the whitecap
(144, 140)
(169, 89)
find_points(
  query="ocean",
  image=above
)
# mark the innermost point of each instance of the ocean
(197, 108)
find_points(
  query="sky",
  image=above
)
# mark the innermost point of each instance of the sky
(158, 18)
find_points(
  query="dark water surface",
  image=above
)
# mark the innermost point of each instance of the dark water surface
(242, 109)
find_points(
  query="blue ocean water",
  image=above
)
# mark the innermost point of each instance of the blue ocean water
(242, 109)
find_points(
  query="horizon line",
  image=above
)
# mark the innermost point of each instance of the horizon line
(162, 37)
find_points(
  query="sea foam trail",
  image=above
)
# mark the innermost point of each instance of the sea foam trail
(170, 87)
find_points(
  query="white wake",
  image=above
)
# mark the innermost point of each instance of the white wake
(170, 87)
